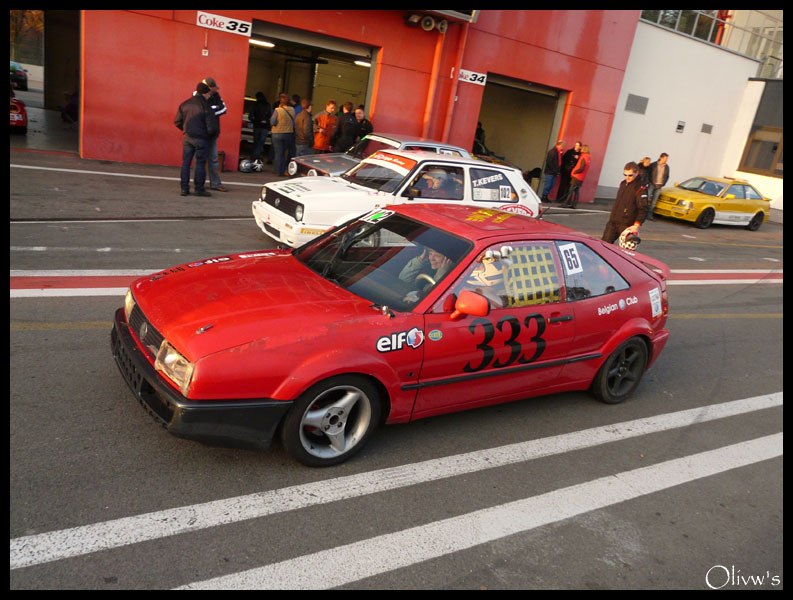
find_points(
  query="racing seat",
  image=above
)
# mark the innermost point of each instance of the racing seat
(532, 277)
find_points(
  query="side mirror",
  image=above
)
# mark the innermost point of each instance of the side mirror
(412, 192)
(676, 184)
(470, 303)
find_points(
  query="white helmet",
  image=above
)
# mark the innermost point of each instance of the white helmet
(246, 166)
(629, 240)
(257, 165)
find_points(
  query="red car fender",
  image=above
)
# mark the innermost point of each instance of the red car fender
(398, 404)
(629, 329)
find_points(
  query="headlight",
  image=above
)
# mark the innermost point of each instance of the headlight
(292, 168)
(264, 193)
(686, 204)
(299, 212)
(129, 304)
(175, 366)
(312, 173)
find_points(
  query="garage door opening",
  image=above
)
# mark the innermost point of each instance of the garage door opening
(282, 59)
(521, 121)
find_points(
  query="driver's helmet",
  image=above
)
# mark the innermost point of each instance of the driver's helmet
(437, 174)
(257, 165)
(246, 166)
(629, 240)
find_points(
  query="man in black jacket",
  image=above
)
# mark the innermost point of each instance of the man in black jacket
(193, 118)
(553, 165)
(216, 108)
(657, 176)
(630, 207)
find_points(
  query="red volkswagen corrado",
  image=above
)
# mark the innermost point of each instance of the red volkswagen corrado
(402, 313)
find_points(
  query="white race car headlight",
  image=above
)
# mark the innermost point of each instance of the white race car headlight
(312, 173)
(129, 304)
(292, 168)
(299, 212)
(175, 366)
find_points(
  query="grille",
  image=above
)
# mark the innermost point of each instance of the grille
(282, 203)
(145, 331)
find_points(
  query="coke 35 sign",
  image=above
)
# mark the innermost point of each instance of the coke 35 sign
(223, 23)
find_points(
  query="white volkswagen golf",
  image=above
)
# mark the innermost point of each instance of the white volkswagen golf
(295, 211)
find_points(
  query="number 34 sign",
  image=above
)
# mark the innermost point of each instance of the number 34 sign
(473, 77)
(223, 23)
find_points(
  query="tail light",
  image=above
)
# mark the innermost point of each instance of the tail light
(664, 302)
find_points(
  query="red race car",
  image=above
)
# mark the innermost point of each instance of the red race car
(19, 117)
(403, 313)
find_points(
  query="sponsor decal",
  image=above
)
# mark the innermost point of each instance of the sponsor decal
(655, 301)
(435, 335)
(396, 341)
(485, 214)
(518, 209)
(257, 254)
(621, 304)
(222, 23)
(486, 180)
(405, 163)
(209, 261)
(376, 216)
(473, 77)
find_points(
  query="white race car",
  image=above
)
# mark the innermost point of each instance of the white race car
(295, 211)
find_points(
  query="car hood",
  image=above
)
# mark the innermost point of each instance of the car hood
(335, 164)
(241, 299)
(683, 194)
(323, 189)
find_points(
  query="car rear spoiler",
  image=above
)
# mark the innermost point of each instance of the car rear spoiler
(648, 263)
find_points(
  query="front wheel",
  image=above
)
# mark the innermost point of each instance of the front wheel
(705, 218)
(331, 421)
(619, 376)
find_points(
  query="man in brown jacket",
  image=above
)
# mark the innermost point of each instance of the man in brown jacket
(630, 207)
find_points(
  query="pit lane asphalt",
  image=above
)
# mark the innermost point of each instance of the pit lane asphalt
(83, 452)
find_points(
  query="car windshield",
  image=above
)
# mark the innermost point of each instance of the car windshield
(368, 146)
(704, 186)
(382, 171)
(386, 258)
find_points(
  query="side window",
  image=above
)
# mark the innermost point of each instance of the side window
(751, 193)
(586, 273)
(449, 152)
(737, 191)
(488, 185)
(516, 275)
(442, 182)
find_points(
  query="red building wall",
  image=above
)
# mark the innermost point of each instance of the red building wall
(138, 66)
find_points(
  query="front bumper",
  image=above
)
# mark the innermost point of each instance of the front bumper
(283, 229)
(246, 423)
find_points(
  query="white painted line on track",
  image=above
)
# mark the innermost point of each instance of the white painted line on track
(385, 553)
(67, 292)
(114, 174)
(56, 545)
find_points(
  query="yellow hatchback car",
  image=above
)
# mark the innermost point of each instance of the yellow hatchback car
(708, 200)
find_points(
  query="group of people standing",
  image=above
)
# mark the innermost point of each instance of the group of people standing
(570, 168)
(637, 194)
(295, 131)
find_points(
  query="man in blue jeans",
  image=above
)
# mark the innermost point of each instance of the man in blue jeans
(216, 108)
(553, 165)
(193, 120)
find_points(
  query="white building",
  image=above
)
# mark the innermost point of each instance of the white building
(706, 88)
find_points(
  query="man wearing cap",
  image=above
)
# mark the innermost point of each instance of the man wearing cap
(217, 108)
(193, 118)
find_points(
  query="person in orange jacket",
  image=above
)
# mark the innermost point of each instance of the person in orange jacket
(324, 124)
(577, 177)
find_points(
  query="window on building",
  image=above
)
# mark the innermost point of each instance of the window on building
(763, 152)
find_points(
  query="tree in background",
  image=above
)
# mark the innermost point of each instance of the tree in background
(27, 36)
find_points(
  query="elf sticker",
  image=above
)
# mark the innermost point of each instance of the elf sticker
(396, 341)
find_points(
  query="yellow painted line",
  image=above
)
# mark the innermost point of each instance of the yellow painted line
(75, 326)
(727, 316)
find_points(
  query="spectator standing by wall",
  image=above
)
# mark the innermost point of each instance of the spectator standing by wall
(569, 161)
(324, 126)
(193, 119)
(658, 175)
(344, 135)
(304, 129)
(283, 134)
(260, 121)
(217, 108)
(553, 166)
(577, 176)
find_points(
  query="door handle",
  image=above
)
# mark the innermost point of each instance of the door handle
(558, 318)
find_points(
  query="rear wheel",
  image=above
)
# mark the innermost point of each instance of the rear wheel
(755, 223)
(331, 421)
(705, 218)
(619, 376)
